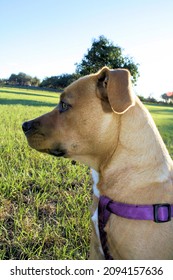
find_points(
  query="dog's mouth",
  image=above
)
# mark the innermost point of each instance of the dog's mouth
(30, 133)
(57, 153)
(53, 152)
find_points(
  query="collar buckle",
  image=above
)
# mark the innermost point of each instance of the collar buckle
(157, 209)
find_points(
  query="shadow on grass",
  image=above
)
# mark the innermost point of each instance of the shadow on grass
(4, 101)
(30, 94)
(161, 111)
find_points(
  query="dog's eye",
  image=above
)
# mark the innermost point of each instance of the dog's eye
(63, 107)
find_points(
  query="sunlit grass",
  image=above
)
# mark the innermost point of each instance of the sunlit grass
(163, 117)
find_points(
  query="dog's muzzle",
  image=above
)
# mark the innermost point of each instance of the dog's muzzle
(31, 128)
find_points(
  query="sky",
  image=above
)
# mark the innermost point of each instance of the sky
(45, 38)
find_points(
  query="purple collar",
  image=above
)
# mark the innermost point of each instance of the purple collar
(159, 213)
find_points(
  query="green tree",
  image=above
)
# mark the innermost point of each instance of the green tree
(3, 82)
(60, 81)
(104, 53)
(24, 79)
(12, 79)
(35, 82)
(20, 79)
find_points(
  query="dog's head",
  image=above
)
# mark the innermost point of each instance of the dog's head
(84, 125)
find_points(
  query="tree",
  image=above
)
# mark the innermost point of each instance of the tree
(60, 81)
(12, 79)
(35, 82)
(23, 79)
(104, 53)
(3, 82)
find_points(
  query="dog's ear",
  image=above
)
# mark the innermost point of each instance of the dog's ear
(115, 86)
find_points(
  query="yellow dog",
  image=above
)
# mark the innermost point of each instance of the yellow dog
(100, 122)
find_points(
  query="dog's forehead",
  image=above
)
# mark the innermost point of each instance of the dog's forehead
(66, 95)
(80, 87)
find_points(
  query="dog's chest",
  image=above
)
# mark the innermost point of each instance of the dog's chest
(94, 218)
(95, 176)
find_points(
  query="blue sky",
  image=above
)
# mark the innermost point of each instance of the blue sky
(47, 37)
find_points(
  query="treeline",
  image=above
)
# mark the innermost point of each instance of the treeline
(20, 79)
(55, 82)
(60, 81)
(164, 99)
(101, 53)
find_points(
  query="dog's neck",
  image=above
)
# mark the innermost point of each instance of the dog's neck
(141, 170)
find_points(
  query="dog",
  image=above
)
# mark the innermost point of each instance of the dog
(100, 122)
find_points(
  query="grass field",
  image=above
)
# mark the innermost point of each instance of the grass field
(163, 117)
(44, 201)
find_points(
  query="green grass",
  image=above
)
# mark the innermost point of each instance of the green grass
(44, 201)
(163, 117)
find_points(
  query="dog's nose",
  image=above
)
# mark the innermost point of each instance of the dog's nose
(32, 125)
(26, 126)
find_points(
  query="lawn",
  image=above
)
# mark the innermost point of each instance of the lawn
(44, 201)
(163, 117)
